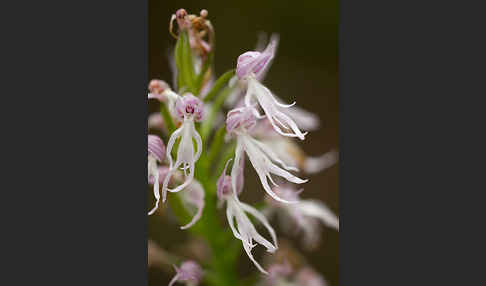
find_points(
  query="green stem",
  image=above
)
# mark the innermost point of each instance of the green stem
(216, 144)
(225, 249)
(167, 118)
(220, 82)
(215, 107)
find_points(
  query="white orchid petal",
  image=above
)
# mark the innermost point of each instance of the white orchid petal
(304, 119)
(246, 231)
(285, 174)
(319, 210)
(284, 105)
(231, 222)
(269, 191)
(271, 108)
(235, 170)
(195, 197)
(248, 252)
(155, 173)
(259, 216)
(264, 166)
(187, 181)
(198, 139)
(320, 163)
(185, 155)
(165, 184)
(273, 156)
(173, 137)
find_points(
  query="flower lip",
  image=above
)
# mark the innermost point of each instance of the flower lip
(156, 147)
(189, 106)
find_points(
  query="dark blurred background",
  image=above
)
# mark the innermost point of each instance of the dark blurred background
(305, 69)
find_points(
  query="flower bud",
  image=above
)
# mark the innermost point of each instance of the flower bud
(182, 20)
(189, 271)
(255, 62)
(156, 147)
(241, 117)
(157, 86)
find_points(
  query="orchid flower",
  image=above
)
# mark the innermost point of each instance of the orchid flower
(251, 66)
(156, 151)
(304, 119)
(290, 152)
(189, 271)
(161, 91)
(244, 230)
(305, 214)
(189, 109)
(192, 199)
(261, 156)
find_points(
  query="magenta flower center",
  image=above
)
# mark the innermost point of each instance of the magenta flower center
(190, 109)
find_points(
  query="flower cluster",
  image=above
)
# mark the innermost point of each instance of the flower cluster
(258, 126)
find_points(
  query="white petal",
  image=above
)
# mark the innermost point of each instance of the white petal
(195, 197)
(235, 170)
(287, 175)
(273, 156)
(170, 144)
(185, 155)
(304, 119)
(319, 210)
(264, 166)
(165, 184)
(248, 252)
(317, 164)
(188, 180)
(155, 173)
(271, 107)
(198, 139)
(231, 222)
(259, 216)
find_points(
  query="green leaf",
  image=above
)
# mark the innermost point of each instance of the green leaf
(204, 70)
(216, 144)
(219, 84)
(167, 118)
(215, 107)
(226, 154)
(185, 67)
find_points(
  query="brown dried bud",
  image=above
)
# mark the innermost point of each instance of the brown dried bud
(204, 13)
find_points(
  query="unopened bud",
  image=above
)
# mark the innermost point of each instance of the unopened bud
(157, 86)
